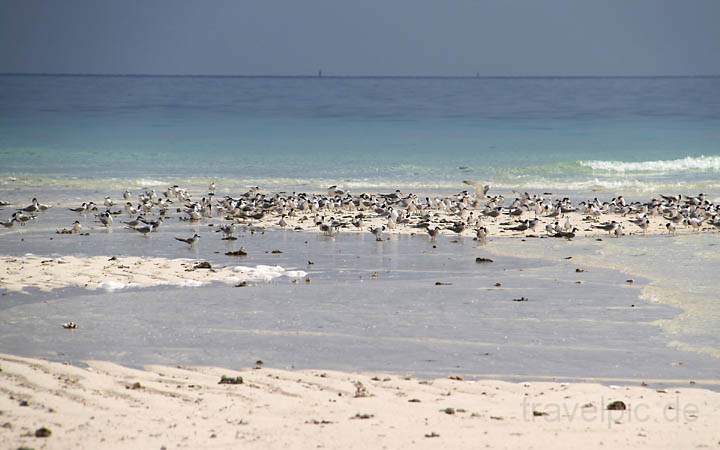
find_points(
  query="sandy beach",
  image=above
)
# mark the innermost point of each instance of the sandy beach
(112, 273)
(105, 405)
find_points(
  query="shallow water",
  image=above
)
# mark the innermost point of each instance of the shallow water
(681, 271)
(570, 135)
(370, 306)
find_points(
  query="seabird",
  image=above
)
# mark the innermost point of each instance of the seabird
(22, 218)
(672, 199)
(40, 206)
(609, 227)
(155, 223)
(481, 234)
(566, 234)
(567, 225)
(523, 226)
(433, 233)
(358, 221)
(642, 222)
(552, 228)
(82, 208)
(695, 223)
(480, 189)
(76, 228)
(333, 191)
(135, 222)
(533, 224)
(458, 227)
(378, 231)
(105, 218)
(9, 223)
(144, 229)
(228, 229)
(32, 207)
(494, 212)
(619, 231)
(191, 240)
(330, 229)
(671, 227)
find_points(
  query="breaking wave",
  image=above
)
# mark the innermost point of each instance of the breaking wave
(700, 163)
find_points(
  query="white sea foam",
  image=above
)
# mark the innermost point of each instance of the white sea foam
(691, 174)
(295, 274)
(701, 163)
(597, 184)
(112, 285)
(145, 182)
(266, 274)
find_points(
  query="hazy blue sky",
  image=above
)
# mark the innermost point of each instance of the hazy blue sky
(394, 37)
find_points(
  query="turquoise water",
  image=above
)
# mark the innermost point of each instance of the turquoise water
(572, 134)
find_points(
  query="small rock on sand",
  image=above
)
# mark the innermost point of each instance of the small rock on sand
(43, 432)
(231, 380)
(616, 406)
(361, 390)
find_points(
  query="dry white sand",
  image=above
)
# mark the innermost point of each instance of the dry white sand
(110, 406)
(110, 273)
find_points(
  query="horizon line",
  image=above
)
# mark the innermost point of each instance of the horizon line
(338, 76)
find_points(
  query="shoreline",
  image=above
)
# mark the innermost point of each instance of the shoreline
(109, 406)
(657, 289)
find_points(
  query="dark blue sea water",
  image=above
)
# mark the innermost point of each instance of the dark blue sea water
(574, 134)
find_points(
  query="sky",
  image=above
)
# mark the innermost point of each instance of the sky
(361, 37)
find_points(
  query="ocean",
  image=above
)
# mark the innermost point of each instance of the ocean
(590, 136)
(67, 139)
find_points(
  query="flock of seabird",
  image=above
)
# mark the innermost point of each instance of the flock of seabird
(336, 210)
